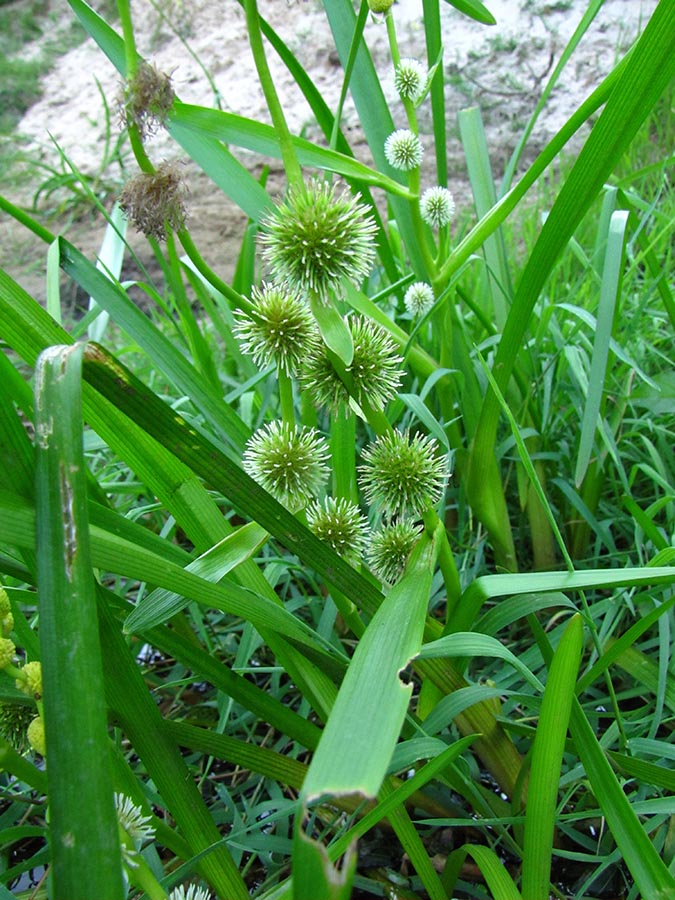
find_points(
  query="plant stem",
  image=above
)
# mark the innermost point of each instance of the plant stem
(209, 275)
(291, 164)
(286, 398)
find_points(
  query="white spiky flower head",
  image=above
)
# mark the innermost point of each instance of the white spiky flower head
(375, 370)
(410, 79)
(283, 330)
(437, 206)
(134, 829)
(403, 150)
(317, 238)
(403, 475)
(290, 463)
(132, 820)
(419, 298)
(390, 548)
(192, 892)
(339, 524)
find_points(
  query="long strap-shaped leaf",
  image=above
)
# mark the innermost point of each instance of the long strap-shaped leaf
(647, 73)
(549, 744)
(84, 830)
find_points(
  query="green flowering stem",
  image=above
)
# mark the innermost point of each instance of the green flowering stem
(349, 612)
(197, 260)
(131, 59)
(286, 397)
(376, 419)
(446, 561)
(349, 68)
(342, 431)
(414, 174)
(291, 164)
(139, 872)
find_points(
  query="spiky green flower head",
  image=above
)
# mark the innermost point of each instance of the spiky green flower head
(410, 79)
(14, 721)
(340, 524)
(390, 548)
(283, 331)
(7, 652)
(192, 892)
(156, 201)
(290, 463)
(380, 6)
(419, 298)
(6, 617)
(30, 681)
(36, 736)
(403, 150)
(403, 475)
(437, 206)
(375, 370)
(316, 238)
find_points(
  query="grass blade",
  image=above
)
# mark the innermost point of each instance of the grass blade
(649, 69)
(83, 821)
(609, 292)
(549, 744)
(359, 737)
(647, 868)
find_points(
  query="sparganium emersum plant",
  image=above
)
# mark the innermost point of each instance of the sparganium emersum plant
(446, 649)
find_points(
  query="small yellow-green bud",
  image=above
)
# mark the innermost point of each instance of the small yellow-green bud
(6, 617)
(31, 680)
(380, 6)
(36, 736)
(7, 651)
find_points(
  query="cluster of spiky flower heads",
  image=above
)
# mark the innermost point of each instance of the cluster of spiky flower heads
(419, 298)
(156, 201)
(437, 206)
(403, 150)
(316, 238)
(374, 372)
(390, 547)
(147, 100)
(403, 475)
(290, 463)
(410, 79)
(340, 524)
(282, 331)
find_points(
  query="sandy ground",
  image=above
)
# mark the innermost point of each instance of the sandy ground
(502, 69)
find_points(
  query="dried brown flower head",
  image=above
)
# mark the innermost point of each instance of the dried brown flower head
(147, 100)
(156, 202)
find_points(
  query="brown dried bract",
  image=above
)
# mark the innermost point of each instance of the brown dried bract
(156, 202)
(147, 100)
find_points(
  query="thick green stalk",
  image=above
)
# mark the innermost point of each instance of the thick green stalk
(131, 60)
(291, 164)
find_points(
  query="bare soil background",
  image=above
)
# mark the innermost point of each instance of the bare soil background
(502, 69)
